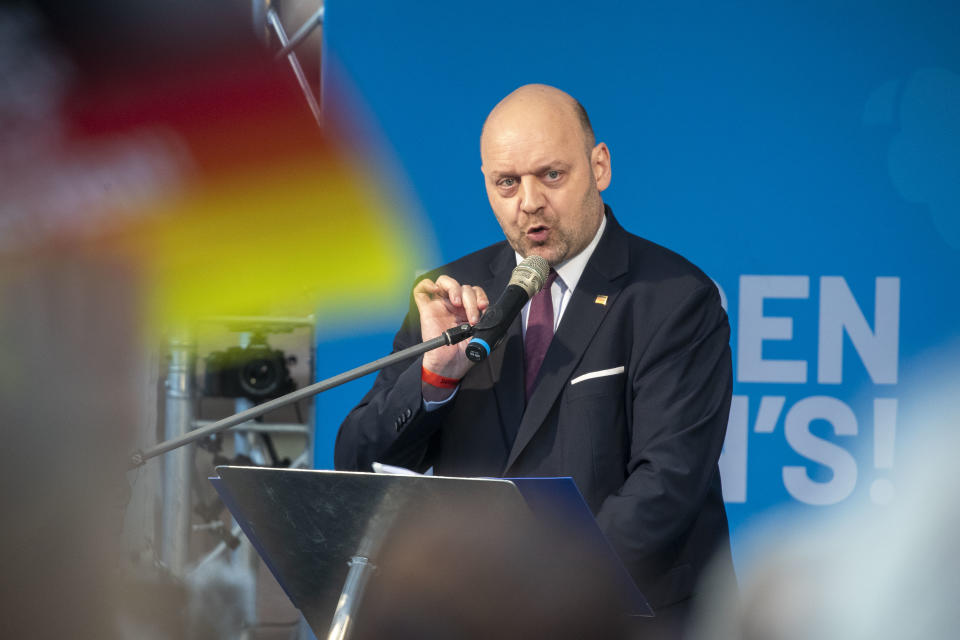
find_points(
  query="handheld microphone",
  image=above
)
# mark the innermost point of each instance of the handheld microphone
(527, 279)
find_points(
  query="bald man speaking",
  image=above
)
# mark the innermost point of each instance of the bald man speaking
(617, 373)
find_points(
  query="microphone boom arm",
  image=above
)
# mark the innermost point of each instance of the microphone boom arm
(450, 336)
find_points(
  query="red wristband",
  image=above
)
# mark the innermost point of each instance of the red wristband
(437, 380)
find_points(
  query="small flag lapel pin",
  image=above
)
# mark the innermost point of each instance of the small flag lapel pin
(601, 300)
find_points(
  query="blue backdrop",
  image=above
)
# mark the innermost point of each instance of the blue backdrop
(805, 155)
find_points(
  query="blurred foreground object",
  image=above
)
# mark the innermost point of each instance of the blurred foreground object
(69, 398)
(156, 168)
(471, 576)
(199, 160)
(70, 385)
(877, 574)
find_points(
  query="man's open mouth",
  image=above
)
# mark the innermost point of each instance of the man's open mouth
(538, 233)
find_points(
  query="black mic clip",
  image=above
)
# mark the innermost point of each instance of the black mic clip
(458, 333)
(479, 349)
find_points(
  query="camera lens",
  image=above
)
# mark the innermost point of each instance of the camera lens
(259, 377)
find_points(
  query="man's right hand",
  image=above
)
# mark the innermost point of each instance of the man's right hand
(444, 304)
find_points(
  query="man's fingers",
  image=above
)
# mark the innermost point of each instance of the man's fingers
(482, 301)
(426, 288)
(464, 301)
(451, 289)
(427, 291)
(469, 297)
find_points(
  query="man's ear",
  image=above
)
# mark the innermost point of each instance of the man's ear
(600, 165)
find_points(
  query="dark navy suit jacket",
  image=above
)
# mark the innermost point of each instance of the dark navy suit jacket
(642, 445)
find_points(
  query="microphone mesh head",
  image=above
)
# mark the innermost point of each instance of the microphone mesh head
(530, 274)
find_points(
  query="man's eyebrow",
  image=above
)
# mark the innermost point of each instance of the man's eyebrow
(548, 166)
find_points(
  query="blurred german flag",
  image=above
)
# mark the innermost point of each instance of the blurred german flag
(262, 213)
(208, 174)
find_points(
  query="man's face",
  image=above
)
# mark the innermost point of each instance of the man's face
(543, 186)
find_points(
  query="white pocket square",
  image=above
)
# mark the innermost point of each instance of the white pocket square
(598, 374)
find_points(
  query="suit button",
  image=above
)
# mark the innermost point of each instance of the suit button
(407, 414)
(398, 423)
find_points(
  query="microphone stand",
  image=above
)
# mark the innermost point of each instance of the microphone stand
(448, 337)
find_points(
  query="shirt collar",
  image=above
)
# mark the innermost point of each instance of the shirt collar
(570, 270)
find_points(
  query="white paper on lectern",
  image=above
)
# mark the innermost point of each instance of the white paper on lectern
(392, 470)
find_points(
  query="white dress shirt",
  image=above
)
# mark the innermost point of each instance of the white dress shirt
(568, 275)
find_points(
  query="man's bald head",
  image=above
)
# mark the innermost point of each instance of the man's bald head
(530, 98)
(544, 173)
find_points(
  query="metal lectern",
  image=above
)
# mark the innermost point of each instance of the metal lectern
(320, 532)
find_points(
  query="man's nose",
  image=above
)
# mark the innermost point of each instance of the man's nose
(531, 197)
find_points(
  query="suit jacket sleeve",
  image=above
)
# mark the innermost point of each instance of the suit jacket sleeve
(390, 424)
(681, 387)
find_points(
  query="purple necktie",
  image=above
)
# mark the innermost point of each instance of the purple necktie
(539, 332)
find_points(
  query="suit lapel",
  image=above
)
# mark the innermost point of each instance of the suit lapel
(579, 323)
